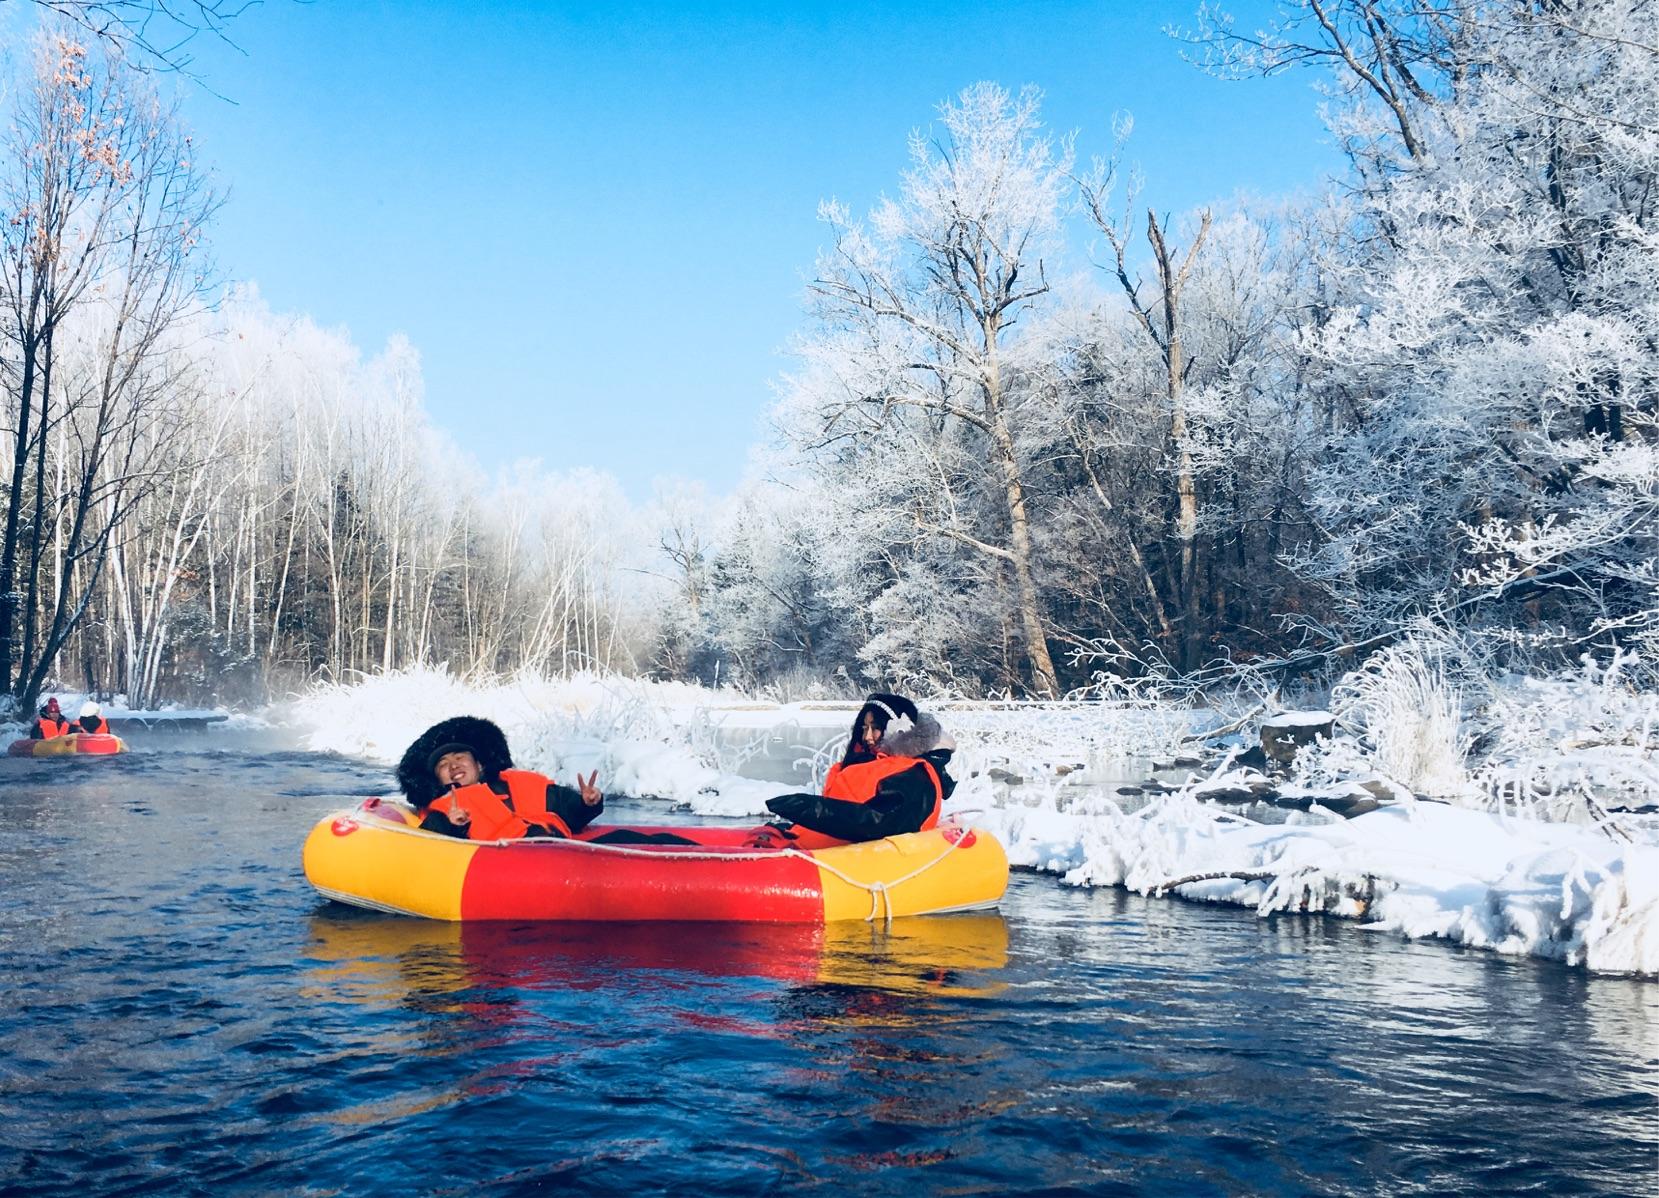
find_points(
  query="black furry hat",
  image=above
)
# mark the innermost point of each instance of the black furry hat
(479, 737)
(885, 708)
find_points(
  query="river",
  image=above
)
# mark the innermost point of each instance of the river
(183, 1015)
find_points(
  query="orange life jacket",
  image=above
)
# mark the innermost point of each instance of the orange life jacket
(496, 818)
(858, 784)
(50, 728)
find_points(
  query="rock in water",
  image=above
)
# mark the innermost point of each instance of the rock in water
(1285, 733)
(1348, 806)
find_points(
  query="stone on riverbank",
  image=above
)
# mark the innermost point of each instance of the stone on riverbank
(1284, 734)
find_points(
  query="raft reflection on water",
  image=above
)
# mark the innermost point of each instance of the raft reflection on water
(814, 1049)
(371, 958)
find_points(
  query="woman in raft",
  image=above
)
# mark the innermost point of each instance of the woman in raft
(890, 780)
(460, 778)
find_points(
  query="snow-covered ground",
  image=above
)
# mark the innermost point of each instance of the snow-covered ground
(1419, 869)
(1044, 777)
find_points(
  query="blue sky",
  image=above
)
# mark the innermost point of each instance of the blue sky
(595, 221)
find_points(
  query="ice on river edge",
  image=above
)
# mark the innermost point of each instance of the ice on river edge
(1421, 869)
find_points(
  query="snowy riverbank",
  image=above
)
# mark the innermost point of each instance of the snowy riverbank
(1041, 776)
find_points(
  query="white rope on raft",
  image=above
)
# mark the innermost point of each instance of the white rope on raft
(879, 891)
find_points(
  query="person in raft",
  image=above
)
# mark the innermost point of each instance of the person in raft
(460, 777)
(51, 723)
(890, 780)
(92, 719)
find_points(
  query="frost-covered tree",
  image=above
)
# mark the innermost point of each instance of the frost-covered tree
(683, 516)
(1490, 363)
(1161, 317)
(767, 610)
(1179, 438)
(909, 393)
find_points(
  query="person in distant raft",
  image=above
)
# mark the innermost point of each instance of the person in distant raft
(51, 723)
(92, 719)
(460, 777)
(890, 780)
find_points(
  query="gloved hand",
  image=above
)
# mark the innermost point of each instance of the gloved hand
(792, 807)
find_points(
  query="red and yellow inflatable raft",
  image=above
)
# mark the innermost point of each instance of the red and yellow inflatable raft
(371, 858)
(96, 743)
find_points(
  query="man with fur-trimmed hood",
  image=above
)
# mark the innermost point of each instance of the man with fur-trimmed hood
(890, 780)
(460, 778)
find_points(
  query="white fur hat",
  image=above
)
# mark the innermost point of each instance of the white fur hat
(90, 708)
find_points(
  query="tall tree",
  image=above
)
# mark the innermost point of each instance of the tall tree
(913, 368)
(100, 263)
(1160, 316)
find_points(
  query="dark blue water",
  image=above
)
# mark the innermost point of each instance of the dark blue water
(182, 1015)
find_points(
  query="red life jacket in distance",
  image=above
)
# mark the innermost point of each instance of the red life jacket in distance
(858, 784)
(51, 729)
(492, 818)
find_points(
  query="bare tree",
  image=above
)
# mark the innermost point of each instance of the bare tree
(1399, 54)
(150, 34)
(100, 260)
(1160, 318)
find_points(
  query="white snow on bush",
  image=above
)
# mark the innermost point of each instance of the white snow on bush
(647, 739)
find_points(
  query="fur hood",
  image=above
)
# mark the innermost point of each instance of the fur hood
(481, 738)
(923, 735)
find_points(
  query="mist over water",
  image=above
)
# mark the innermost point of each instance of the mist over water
(188, 1017)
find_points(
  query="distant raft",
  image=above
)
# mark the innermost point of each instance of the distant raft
(371, 857)
(99, 744)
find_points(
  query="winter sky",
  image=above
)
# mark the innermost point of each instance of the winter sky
(595, 221)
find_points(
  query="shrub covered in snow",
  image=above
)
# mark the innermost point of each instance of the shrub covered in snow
(647, 739)
(1572, 743)
(1408, 700)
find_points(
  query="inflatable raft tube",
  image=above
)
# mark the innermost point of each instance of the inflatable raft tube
(371, 858)
(99, 744)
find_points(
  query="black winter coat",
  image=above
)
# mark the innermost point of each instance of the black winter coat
(901, 803)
